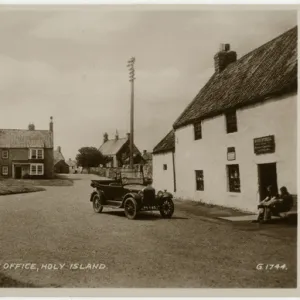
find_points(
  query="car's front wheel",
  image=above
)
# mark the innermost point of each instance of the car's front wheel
(167, 208)
(97, 206)
(130, 208)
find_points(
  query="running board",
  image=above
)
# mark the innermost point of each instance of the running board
(111, 206)
(113, 203)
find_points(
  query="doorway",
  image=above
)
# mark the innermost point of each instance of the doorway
(18, 172)
(267, 175)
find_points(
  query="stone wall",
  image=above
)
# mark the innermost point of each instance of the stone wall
(114, 172)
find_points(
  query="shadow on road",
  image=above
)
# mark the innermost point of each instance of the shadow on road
(142, 216)
(9, 282)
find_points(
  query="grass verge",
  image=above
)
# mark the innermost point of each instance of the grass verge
(19, 186)
(9, 188)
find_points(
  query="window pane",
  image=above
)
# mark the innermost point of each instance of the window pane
(231, 122)
(198, 130)
(4, 170)
(40, 169)
(33, 169)
(4, 154)
(233, 178)
(33, 153)
(40, 153)
(199, 180)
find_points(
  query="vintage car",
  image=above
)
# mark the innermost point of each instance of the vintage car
(134, 195)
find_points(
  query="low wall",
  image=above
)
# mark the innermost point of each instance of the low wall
(114, 172)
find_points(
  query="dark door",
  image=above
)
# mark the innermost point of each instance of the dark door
(18, 172)
(114, 191)
(267, 175)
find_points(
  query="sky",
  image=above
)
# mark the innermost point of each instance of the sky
(72, 64)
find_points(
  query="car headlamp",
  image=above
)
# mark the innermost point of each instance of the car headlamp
(159, 194)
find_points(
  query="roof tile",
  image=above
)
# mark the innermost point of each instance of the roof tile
(112, 147)
(19, 138)
(166, 144)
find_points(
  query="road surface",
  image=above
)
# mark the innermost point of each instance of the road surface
(56, 231)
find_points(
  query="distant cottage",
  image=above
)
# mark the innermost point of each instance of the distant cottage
(147, 157)
(72, 166)
(118, 150)
(239, 134)
(164, 163)
(26, 153)
(60, 165)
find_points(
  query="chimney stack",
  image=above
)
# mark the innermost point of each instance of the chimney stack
(51, 124)
(31, 126)
(224, 57)
(117, 135)
(128, 136)
(59, 149)
(105, 137)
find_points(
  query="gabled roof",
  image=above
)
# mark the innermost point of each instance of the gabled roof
(266, 71)
(112, 147)
(71, 163)
(58, 156)
(19, 138)
(167, 144)
(147, 156)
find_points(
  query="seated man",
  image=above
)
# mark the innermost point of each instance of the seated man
(271, 196)
(277, 205)
(283, 204)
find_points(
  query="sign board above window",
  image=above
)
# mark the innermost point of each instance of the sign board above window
(230, 153)
(264, 145)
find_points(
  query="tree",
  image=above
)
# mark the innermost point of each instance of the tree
(89, 157)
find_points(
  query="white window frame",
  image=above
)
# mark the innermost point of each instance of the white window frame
(199, 176)
(237, 178)
(36, 172)
(5, 156)
(37, 151)
(2, 170)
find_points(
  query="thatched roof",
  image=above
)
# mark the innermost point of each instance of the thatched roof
(264, 72)
(167, 144)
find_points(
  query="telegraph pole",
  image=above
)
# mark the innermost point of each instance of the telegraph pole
(130, 66)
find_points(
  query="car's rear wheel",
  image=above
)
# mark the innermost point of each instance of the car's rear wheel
(97, 206)
(167, 208)
(130, 208)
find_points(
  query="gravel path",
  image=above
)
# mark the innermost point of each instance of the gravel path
(58, 226)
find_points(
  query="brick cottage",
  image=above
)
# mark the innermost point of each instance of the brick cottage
(26, 153)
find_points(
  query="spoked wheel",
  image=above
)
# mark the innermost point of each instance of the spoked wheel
(167, 208)
(97, 206)
(130, 208)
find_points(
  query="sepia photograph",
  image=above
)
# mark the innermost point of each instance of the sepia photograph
(148, 147)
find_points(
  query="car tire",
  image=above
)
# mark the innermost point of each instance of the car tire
(97, 206)
(167, 208)
(130, 208)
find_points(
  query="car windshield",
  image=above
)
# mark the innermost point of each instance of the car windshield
(131, 177)
(134, 186)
